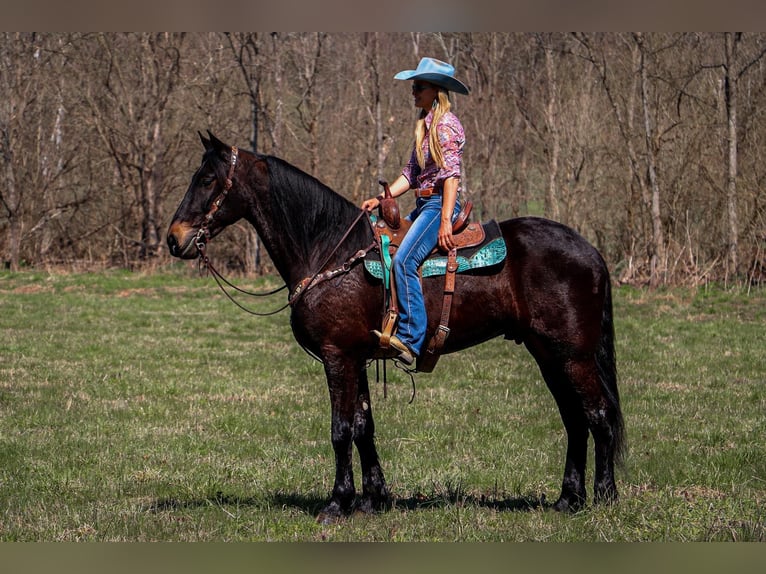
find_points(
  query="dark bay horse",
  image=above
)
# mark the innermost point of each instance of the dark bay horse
(552, 293)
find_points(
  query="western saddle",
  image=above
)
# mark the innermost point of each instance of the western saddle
(389, 230)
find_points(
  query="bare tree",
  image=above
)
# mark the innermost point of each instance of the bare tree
(140, 75)
(248, 51)
(650, 144)
(553, 143)
(735, 65)
(306, 57)
(18, 92)
(32, 117)
(622, 90)
(658, 261)
(496, 151)
(276, 125)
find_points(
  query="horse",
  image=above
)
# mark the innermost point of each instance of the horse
(552, 293)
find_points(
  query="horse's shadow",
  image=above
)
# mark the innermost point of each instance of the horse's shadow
(312, 505)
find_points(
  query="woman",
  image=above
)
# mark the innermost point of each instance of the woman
(434, 173)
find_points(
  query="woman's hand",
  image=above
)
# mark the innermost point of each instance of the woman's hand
(370, 204)
(449, 198)
(446, 241)
(401, 185)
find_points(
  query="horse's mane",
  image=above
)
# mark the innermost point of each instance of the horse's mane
(315, 217)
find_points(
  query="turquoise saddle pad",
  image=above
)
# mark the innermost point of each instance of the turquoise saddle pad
(490, 253)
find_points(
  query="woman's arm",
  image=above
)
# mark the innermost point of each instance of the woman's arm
(401, 185)
(449, 197)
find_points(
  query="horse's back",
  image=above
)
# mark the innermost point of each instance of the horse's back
(530, 239)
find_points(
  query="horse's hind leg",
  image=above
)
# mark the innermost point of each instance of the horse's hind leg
(573, 492)
(603, 415)
(585, 406)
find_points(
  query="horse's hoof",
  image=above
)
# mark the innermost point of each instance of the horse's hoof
(331, 514)
(606, 495)
(564, 504)
(327, 519)
(372, 504)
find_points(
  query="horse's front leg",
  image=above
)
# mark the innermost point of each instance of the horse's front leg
(375, 495)
(352, 423)
(343, 390)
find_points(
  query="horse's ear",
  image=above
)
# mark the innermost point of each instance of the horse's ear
(205, 141)
(216, 143)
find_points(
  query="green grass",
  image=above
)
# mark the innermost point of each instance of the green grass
(147, 407)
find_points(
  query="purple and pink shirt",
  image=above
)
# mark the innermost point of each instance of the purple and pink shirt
(452, 139)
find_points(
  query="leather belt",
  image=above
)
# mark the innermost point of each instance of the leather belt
(426, 192)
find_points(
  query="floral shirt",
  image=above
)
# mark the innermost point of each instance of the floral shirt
(452, 138)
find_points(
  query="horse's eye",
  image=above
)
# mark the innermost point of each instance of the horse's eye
(207, 181)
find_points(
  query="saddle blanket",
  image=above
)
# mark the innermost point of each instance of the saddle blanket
(491, 252)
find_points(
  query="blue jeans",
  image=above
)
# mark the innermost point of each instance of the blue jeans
(419, 241)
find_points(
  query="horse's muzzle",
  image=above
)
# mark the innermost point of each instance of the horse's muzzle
(180, 241)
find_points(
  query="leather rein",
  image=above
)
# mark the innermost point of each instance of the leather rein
(203, 234)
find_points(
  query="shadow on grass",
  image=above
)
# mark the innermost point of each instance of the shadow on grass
(313, 505)
(514, 504)
(307, 504)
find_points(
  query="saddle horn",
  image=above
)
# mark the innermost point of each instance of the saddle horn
(389, 209)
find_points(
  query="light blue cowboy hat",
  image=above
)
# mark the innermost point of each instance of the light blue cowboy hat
(436, 72)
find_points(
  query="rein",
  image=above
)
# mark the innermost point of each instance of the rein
(319, 276)
(204, 261)
(304, 285)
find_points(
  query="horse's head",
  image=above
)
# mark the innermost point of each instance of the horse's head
(207, 208)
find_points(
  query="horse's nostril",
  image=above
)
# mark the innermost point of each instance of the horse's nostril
(173, 244)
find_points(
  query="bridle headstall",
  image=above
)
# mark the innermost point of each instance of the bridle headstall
(203, 234)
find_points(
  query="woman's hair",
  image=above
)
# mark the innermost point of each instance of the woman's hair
(442, 106)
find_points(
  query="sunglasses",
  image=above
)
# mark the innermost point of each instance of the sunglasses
(417, 88)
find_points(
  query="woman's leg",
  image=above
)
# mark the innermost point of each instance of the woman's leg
(420, 240)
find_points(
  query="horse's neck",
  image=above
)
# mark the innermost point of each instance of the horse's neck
(297, 235)
(290, 263)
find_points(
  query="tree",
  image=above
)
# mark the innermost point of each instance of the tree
(33, 113)
(626, 81)
(735, 65)
(651, 145)
(248, 51)
(140, 75)
(658, 262)
(496, 152)
(306, 59)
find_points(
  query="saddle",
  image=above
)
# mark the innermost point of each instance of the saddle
(470, 238)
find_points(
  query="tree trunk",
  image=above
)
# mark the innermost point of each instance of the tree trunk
(658, 260)
(12, 203)
(150, 178)
(554, 144)
(730, 94)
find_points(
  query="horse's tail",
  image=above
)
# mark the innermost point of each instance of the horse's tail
(607, 374)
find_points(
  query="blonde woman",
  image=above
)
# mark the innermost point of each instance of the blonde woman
(434, 173)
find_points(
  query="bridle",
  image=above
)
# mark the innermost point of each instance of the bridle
(203, 234)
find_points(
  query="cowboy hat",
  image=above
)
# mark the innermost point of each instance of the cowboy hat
(436, 72)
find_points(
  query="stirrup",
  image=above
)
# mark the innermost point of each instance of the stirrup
(406, 356)
(387, 331)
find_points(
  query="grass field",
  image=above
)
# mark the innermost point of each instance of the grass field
(147, 407)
